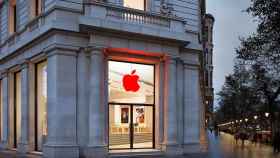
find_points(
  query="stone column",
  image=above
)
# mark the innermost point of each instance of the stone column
(61, 105)
(83, 101)
(5, 112)
(24, 139)
(97, 147)
(191, 109)
(170, 109)
(180, 101)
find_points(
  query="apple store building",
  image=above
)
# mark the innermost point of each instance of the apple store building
(98, 102)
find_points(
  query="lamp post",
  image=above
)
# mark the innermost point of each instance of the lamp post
(246, 123)
(255, 117)
(267, 120)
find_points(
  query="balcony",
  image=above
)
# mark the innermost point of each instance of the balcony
(112, 18)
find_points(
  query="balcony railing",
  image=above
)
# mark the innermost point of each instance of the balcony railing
(115, 12)
(136, 16)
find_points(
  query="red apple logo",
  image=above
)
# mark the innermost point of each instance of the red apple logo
(130, 82)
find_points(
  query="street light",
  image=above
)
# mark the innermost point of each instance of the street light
(246, 120)
(266, 114)
(255, 117)
(236, 121)
(240, 120)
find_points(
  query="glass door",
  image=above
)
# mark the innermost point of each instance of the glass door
(119, 126)
(143, 126)
(131, 126)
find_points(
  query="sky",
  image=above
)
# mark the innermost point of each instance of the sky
(231, 22)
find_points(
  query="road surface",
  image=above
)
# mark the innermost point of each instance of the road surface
(222, 146)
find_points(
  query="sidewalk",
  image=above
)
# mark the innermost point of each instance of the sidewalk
(12, 154)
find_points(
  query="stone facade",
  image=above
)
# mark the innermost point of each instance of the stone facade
(77, 39)
(208, 66)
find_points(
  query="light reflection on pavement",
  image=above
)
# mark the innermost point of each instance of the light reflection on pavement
(224, 146)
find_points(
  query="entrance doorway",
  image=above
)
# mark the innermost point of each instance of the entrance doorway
(131, 105)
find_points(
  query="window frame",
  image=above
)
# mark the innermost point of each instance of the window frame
(36, 105)
(36, 8)
(16, 111)
(132, 105)
(145, 6)
(12, 16)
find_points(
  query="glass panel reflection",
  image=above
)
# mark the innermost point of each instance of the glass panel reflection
(41, 104)
(119, 123)
(143, 126)
(131, 83)
(17, 108)
(135, 4)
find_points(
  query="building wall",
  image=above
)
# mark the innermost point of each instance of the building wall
(208, 58)
(3, 22)
(72, 40)
(22, 13)
(187, 9)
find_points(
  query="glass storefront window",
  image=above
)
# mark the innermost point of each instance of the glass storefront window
(131, 105)
(135, 4)
(41, 105)
(131, 83)
(17, 110)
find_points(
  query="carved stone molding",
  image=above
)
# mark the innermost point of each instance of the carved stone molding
(165, 7)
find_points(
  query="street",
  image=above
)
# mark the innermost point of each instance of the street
(222, 146)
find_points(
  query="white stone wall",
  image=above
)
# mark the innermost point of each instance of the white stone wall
(77, 116)
(3, 22)
(187, 9)
(22, 13)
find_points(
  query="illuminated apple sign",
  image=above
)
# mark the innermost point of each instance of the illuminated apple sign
(130, 82)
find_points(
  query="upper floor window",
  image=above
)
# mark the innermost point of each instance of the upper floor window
(36, 8)
(135, 4)
(12, 16)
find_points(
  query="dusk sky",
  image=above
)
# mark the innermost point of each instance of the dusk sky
(231, 22)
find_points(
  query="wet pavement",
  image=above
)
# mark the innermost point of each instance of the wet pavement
(222, 146)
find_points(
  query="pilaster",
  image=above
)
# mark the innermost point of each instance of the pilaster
(61, 105)
(97, 146)
(5, 112)
(83, 100)
(192, 105)
(170, 145)
(23, 145)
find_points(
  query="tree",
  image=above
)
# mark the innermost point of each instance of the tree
(237, 99)
(261, 52)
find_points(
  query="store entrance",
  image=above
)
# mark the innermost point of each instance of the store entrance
(131, 106)
(133, 131)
